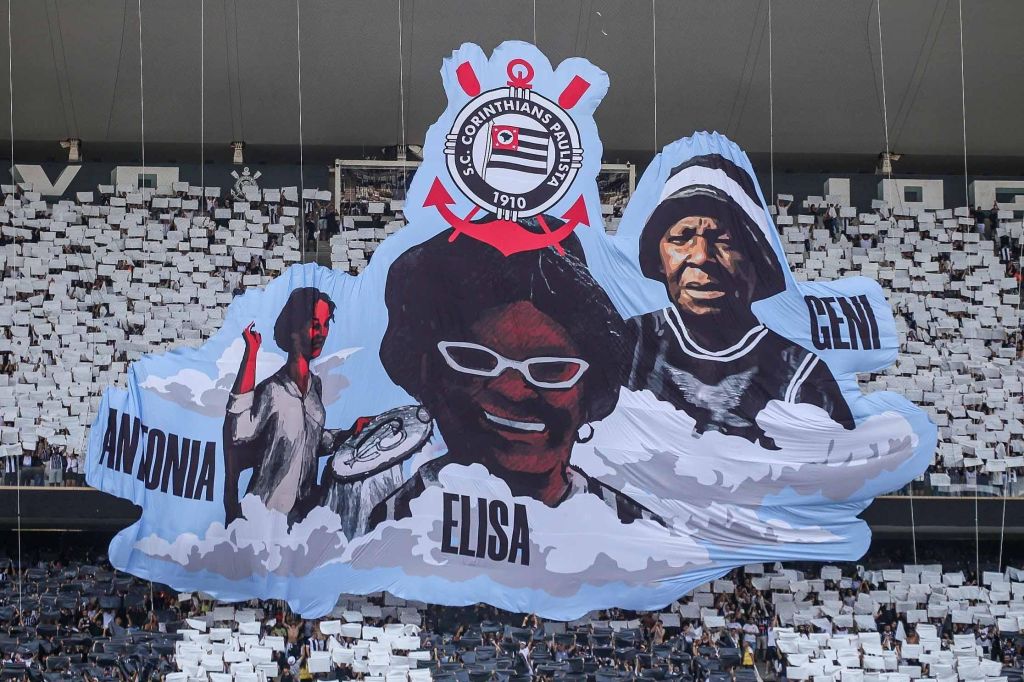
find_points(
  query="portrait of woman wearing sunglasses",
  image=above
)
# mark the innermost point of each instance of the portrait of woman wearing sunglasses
(515, 357)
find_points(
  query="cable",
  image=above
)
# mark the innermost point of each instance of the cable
(227, 66)
(401, 95)
(534, 22)
(924, 58)
(142, 141)
(967, 204)
(202, 105)
(302, 179)
(654, 69)
(887, 163)
(748, 73)
(963, 99)
(977, 550)
(10, 91)
(1002, 532)
(881, 61)
(142, 96)
(238, 83)
(771, 108)
(10, 84)
(56, 71)
(117, 70)
(889, 174)
(64, 58)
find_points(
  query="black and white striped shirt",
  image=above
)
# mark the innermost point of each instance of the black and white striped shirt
(724, 390)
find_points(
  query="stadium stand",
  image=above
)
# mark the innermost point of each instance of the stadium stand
(892, 623)
(957, 290)
(97, 281)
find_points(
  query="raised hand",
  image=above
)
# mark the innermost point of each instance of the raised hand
(246, 379)
(252, 338)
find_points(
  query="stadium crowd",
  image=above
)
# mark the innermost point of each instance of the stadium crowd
(953, 277)
(64, 618)
(96, 281)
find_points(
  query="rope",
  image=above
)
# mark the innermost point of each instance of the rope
(202, 105)
(654, 70)
(142, 142)
(117, 70)
(56, 71)
(10, 84)
(302, 179)
(142, 96)
(10, 91)
(771, 108)
(888, 165)
(1002, 531)
(977, 549)
(967, 204)
(401, 94)
(1002, 528)
(64, 58)
(881, 61)
(963, 98)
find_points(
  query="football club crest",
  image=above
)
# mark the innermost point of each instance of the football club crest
(514, 153)
(244, 183)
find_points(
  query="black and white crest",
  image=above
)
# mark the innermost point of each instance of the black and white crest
(513, 152)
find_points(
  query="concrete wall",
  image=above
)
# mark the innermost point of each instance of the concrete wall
(892, 192)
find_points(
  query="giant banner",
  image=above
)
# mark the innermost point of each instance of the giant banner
(511, 406)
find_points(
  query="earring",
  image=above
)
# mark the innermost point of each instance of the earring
(585, 439)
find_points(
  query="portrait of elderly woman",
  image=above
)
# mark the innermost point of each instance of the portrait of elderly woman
(515, 357)
(706, 352)
(276, 427)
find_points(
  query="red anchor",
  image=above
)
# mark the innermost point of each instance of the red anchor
(507, 236)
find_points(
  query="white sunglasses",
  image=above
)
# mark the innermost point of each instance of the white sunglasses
(542, 372)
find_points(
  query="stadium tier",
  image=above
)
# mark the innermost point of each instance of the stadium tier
(96, 282)
(890, 623)
(528, 342)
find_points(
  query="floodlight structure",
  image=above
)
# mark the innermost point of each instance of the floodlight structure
(885, 160)
(74, 147)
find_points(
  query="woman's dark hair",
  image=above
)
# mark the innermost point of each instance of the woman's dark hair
(436, 290)
(296, 314)
(700, 200)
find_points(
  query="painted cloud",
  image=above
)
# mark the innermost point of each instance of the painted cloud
(198, 392)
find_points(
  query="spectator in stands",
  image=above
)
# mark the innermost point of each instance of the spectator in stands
(832, 222)
(72, 472)
(715, 260)
(310, 229)
(10, 469)
(979, 219)
(54, 467)
(31, 467)
(332, 226)
(223, 221)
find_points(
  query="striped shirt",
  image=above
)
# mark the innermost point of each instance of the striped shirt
(724, 390)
